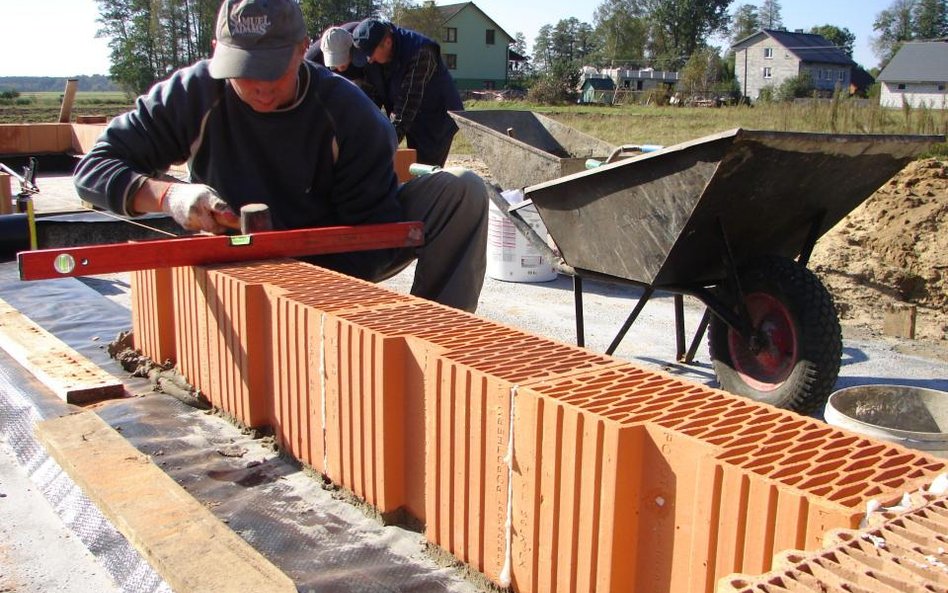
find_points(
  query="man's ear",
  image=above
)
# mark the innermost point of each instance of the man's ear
(213, 44)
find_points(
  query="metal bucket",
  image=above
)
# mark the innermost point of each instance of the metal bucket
(913, 417)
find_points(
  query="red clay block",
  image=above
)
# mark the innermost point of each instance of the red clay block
(297, 385)
(467, 422)
(153, 314)
(190, 322)
(365, 413)
(238, 328)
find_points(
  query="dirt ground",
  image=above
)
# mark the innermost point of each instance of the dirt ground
(891, 250)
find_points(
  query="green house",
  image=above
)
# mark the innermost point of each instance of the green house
(474, 47)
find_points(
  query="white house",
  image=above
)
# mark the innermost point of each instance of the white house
(917, 75)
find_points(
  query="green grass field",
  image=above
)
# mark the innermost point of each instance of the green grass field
(626, 124)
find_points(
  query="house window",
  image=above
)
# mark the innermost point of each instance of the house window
(450, 35)
(768, 73)
(941, 87)
(841, 75)
(451, 61)
(490, 37)
(901, 86)
(768, 53)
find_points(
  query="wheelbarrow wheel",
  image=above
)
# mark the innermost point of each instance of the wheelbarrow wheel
(792, 359)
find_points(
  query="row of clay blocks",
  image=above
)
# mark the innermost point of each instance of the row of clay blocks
(48, 138)
(542, 465)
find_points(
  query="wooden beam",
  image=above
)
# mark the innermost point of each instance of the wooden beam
(68, 374)
(212, 249)
(190, 548)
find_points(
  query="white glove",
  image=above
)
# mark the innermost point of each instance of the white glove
(197, 207)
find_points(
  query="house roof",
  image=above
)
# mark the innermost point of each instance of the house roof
(449, 11)
(918, 61)
(861, 78)
(808, 47)
(600, 84)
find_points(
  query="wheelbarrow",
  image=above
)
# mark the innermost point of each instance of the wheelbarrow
(523, 148)
(730, 219)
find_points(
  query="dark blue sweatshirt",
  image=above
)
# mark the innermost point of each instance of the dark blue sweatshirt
(283, 159)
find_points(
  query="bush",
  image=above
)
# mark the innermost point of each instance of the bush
(796, 87)
(9, 95)
(766, 94)
(555, 86)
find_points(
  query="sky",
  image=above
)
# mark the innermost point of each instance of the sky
(57, 37)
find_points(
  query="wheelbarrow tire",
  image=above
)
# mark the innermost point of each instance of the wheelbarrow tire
(800, 367)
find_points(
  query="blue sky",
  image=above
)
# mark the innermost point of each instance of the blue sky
(57, 37)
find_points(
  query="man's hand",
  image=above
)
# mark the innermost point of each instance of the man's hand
(197, 207)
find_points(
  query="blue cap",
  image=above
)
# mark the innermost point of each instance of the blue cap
(368, 34)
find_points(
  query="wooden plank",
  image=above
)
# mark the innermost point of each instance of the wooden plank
(211, 249)
(185, 543)
(68, 374)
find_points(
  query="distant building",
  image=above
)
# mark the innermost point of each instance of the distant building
(625, 83)
(474, 47)
(597, 90)
(768, 58)
(916, 75)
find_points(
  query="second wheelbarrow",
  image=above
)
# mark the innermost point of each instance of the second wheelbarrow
(731, 219)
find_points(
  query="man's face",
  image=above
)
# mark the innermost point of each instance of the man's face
(340, 67)
(269, 95)
(383, 51)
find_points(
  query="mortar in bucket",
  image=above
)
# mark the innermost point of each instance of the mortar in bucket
(914, 417)
(510, 256)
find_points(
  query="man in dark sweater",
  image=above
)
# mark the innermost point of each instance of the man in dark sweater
(417, 91)
(258, 123)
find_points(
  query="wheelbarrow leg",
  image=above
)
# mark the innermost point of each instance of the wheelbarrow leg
(679, 326)
(631, 319)
(696, 341)
(578, 304)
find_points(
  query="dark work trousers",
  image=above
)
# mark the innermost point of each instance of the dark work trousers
(452, 205)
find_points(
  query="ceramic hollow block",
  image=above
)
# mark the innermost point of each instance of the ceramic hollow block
(238, 329)
(365, 413)
(905, 553)
(297, 383)
(153, 313)
(757, 478)
(467, 427)
(191, 325)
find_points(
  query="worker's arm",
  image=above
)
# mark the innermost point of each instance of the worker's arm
(123, 171)
(420, 70)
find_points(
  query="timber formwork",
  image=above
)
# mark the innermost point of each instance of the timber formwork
(542, 465)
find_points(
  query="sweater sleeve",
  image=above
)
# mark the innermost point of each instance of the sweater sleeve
(145, 142)
(420, 70)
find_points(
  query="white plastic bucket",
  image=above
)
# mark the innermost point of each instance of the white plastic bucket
(510, 256)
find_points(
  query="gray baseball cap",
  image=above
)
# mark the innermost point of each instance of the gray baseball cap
(256, 38)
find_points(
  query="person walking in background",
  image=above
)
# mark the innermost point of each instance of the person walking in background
(258, 123)
(417, 90)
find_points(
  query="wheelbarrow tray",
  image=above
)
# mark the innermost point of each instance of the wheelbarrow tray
(671, 218)
(524, 148)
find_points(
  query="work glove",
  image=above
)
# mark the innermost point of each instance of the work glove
(197, 207)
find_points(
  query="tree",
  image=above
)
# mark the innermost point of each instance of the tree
(679, 27)
(569, 42)
(149, 39)
(744, 23)
(895, 27)
(770, 14)
(841, 38)
(930, 19)
(425, 19)
(622, 30)
(322, 14)
(703, 71)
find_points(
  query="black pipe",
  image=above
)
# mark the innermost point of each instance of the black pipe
(14, 235)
